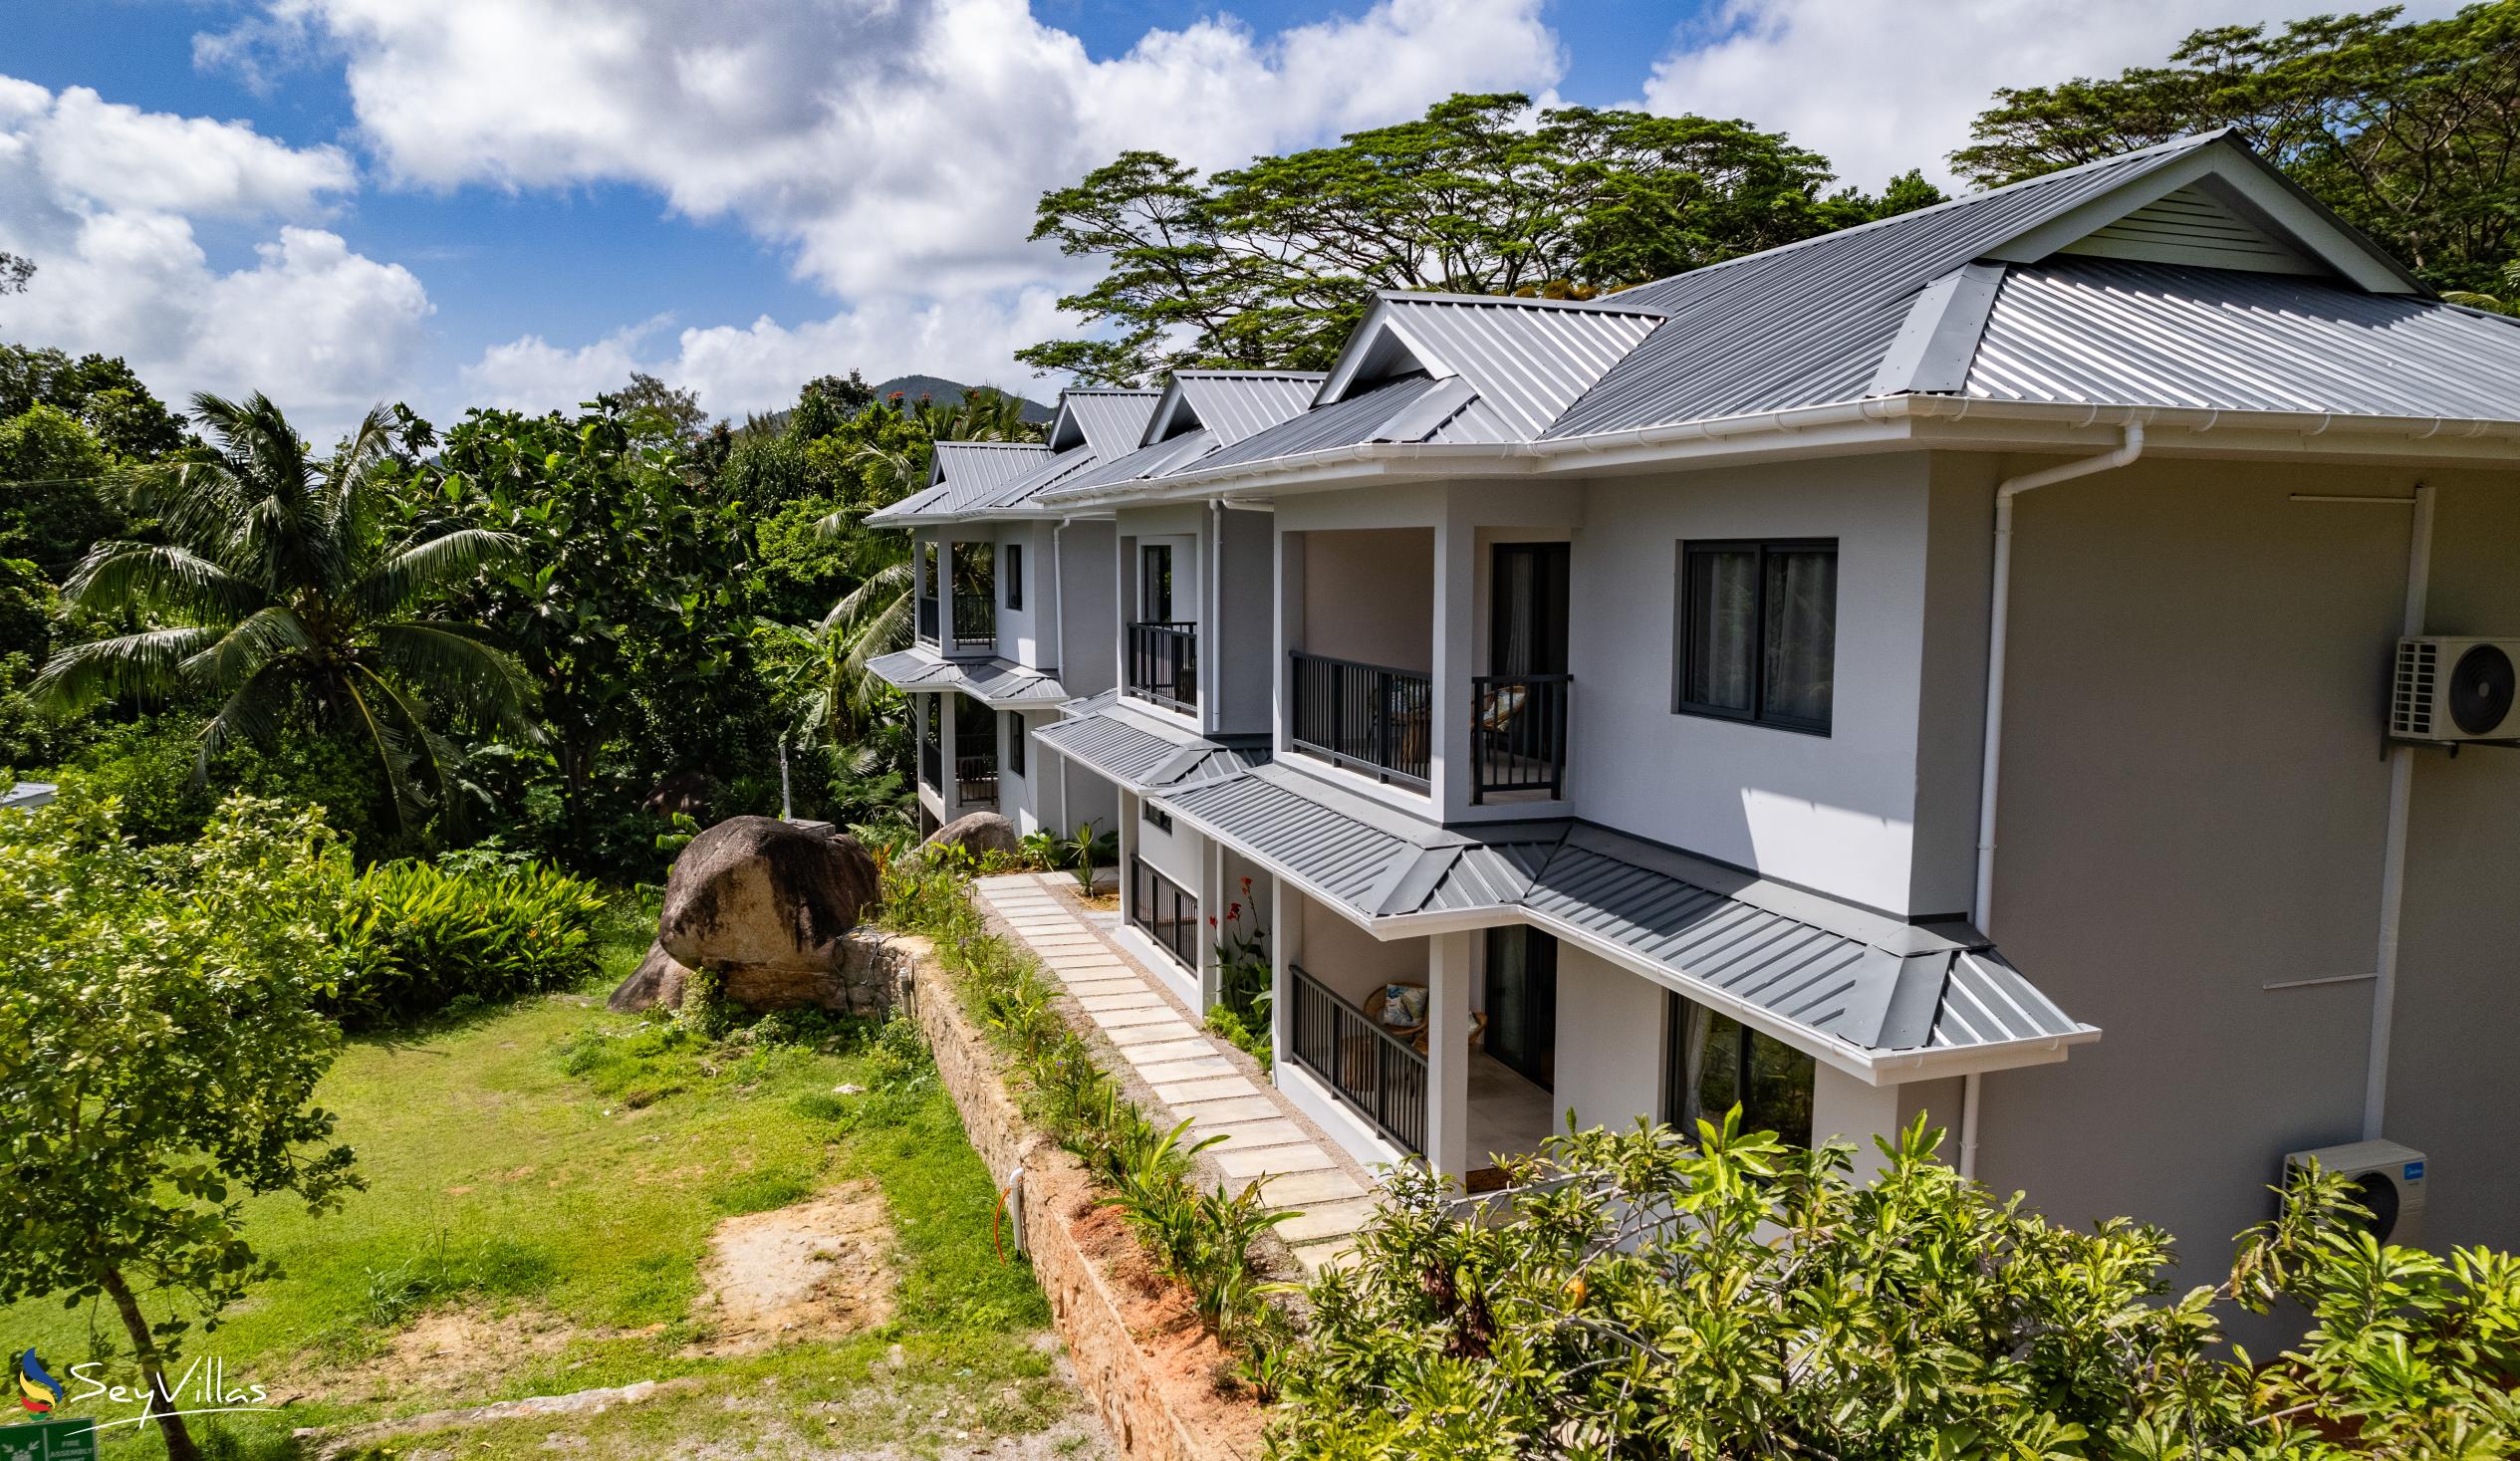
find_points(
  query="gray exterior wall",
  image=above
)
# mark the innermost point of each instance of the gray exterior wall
(2193, 804)
(1243, 593)
(1369, 594)
(1088, 597)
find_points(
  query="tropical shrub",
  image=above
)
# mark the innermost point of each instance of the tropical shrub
(160, 1042)
(1738, 1297)
(418, 937)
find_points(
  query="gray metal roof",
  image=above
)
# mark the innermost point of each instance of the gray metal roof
(1112, 422)
(1809, 324)
(25, 796)
(1526, 359)
(1101, 733)
(1357, 418)
(1150, 460)
(1846, 974)
(1057, 470)
(2123, 333)
(1234, 405)
(1001, 683)
(983, 464)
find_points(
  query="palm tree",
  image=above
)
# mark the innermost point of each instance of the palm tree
(277, 587)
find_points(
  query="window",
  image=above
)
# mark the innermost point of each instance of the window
(1155, 583)
(1015, 743)
(1014, 575)
(1165, 910)
(1710, 1064)
(1758, 633)
(1155, 816)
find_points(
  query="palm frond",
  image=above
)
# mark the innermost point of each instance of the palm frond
(429, 566)
(251, 713)
(891, 582)
(450, 664)
(374, 710)
(243, 651)
(141, 577)
(141, 666)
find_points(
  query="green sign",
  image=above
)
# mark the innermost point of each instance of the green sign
(49, 1440)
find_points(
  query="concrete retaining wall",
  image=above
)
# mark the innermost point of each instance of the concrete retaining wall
(1146, 1369)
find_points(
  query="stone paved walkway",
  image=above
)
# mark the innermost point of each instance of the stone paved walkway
(1188, 1069)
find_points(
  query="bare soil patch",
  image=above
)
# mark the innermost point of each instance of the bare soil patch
(814, 1270)
(442, 1352)
(1198, 1371)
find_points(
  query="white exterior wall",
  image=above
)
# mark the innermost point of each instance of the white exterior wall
(1610, 1042)
(1835, 812)
(1025, 636)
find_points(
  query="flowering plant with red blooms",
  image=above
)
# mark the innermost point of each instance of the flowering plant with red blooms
(1242, 957)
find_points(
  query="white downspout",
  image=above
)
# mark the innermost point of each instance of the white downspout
(2392, 874)
(1211, 614)
(1991, 745)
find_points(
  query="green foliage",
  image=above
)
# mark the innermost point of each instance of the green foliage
(1087, 850)
(151, 767)
(281, 588)
(160, 1039)
(1201, 1238)
(1271, 265)
(53, 498)
(419, 938)
(105, 394)
(1735, 1298)
(27, 605)
(1245, 1032)
(2407, 130)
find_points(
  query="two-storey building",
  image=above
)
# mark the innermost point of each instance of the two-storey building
(1942, 666)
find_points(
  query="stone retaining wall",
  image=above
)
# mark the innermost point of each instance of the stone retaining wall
(1145, 1371)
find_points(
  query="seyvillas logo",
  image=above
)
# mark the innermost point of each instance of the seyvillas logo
(38, 1391)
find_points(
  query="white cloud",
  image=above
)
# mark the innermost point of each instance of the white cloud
(758, 368)
(1881, 87)
(103, 197)
(896, 146)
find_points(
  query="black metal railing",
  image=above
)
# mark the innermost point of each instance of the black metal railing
(928, 620)
(1372, 1071)
(1164, 663)
(975, 781)
(1367, 717)
(1518, 733)
(931, 758)
(1167, 913)
(975, 620)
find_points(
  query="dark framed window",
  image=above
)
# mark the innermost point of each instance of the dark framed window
(1165, 910)
(1015, 743)
(1014, 575)
(1758, 632)
(1155, 583)
(1712, 1063)
(1155, 816)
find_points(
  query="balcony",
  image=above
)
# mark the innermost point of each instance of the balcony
(975, 782)
(928, 621)
(975, 623)
(1373, 1071)
(1518, 734)
(1165, 910)
(1163, 664)
(1369, 718)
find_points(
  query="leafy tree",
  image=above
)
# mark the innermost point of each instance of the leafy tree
(1736, 1297)
(626, 605)
(678, 410)
(100, 391)
(2409, 131)
(280, 590)
(1272, 263)
(159, 1047)
(15, 272)
(53, 500)
(825, 403)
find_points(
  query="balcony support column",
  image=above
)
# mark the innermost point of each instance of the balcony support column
(1286, 947)
(1211, 905)
(1448, 1054)
(1451, 777)
(949, 763)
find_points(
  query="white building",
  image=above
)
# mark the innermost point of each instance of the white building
(1688, 689)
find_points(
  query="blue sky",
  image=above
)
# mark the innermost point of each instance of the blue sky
(518, 201)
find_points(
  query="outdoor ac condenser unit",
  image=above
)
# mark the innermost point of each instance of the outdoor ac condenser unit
(2452, 690)
(2389, 1178)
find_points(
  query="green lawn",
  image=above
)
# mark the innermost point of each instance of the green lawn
(549, 1174)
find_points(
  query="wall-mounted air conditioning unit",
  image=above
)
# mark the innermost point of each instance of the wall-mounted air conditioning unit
(2389, 1178)
(2454, 689)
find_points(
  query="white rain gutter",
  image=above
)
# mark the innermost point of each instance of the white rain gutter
(1991, 743)
(2392, 876)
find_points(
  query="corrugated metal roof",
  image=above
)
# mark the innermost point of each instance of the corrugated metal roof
(1147, 461)
(2116, 332)
(1001, 683)
(981, 464)
(1112, 422)
(1101, 733)
(1845, 973)
(1359, 418)
(1057, 470)
(1528, 359)
(1809, 322)
(1234, 405)
(908, 507)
